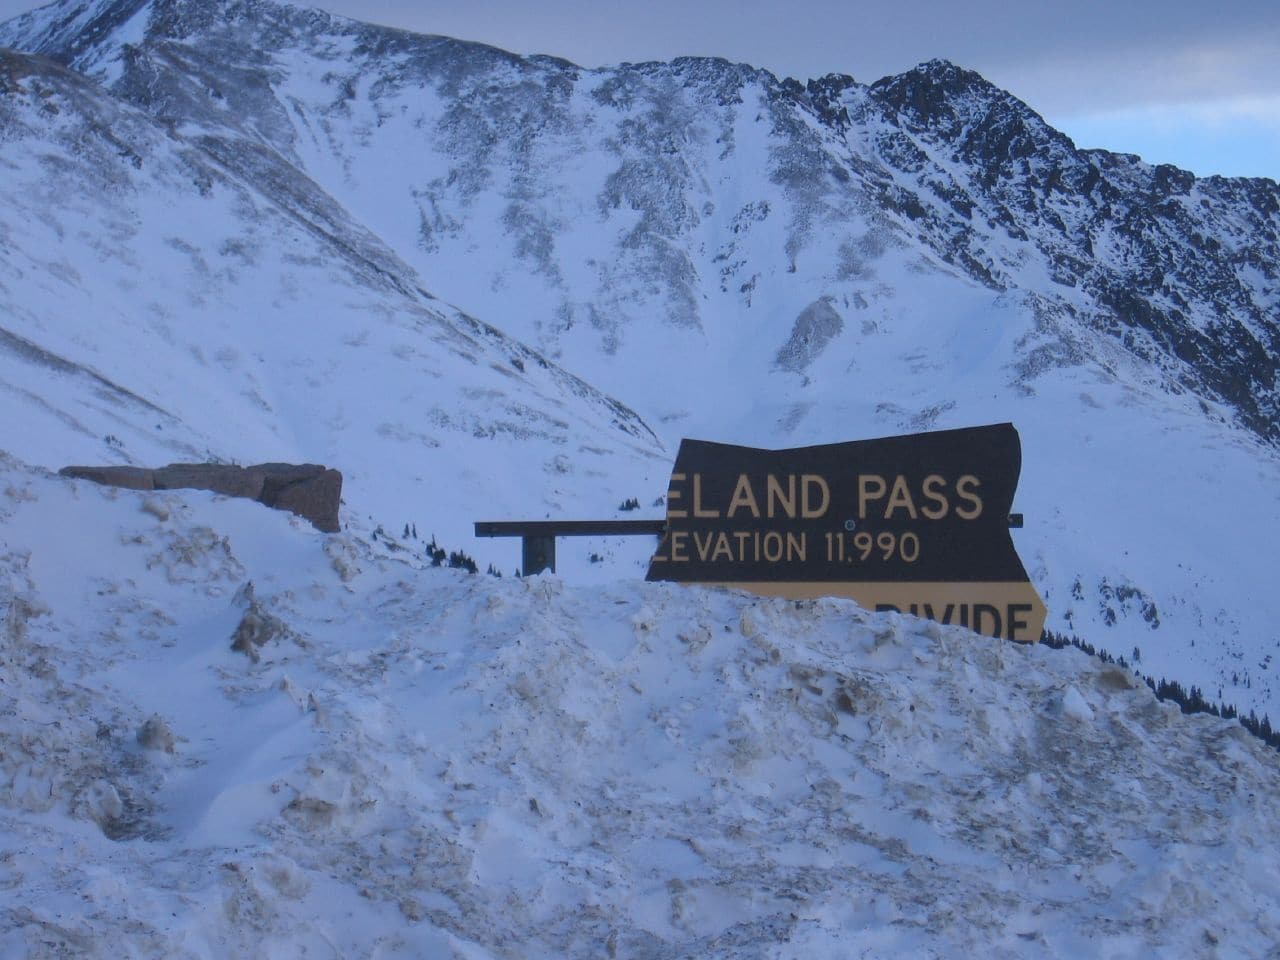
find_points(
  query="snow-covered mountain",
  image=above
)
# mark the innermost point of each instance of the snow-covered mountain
(160, 300)
(679, 194)
(730, 255)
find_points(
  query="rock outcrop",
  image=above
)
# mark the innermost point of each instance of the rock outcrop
(308, 490)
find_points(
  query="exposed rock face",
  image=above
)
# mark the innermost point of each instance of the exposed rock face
(818, 324)
(308, 490)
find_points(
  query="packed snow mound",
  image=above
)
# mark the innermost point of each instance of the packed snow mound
(415, 762)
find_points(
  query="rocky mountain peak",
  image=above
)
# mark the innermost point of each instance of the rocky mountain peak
(937, 95)
(950, 102)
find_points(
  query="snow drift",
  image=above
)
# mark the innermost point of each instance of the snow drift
(417, 762)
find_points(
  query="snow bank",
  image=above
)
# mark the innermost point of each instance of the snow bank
(425, 763)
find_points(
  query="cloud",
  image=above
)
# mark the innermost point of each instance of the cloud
(1224, 70)
(1232, 137)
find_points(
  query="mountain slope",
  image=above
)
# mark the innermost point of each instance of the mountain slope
(165, 298)
(1182, 270)
(617, 190)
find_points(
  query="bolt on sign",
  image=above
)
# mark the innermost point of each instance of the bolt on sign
(917, 524)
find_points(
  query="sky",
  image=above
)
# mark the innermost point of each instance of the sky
(1177, 81)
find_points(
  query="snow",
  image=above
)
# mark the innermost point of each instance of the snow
(427, 763)
(420, 763)
(1075, 707)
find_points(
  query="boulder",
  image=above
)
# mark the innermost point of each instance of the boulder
(314, 496)
(131, 478)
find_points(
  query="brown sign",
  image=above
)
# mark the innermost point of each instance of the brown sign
(917, 523)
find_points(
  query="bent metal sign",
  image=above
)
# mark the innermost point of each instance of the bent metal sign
(918, 524)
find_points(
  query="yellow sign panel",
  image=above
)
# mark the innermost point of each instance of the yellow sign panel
(1010, 610)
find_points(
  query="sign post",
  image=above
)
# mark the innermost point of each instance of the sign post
(918, 524)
